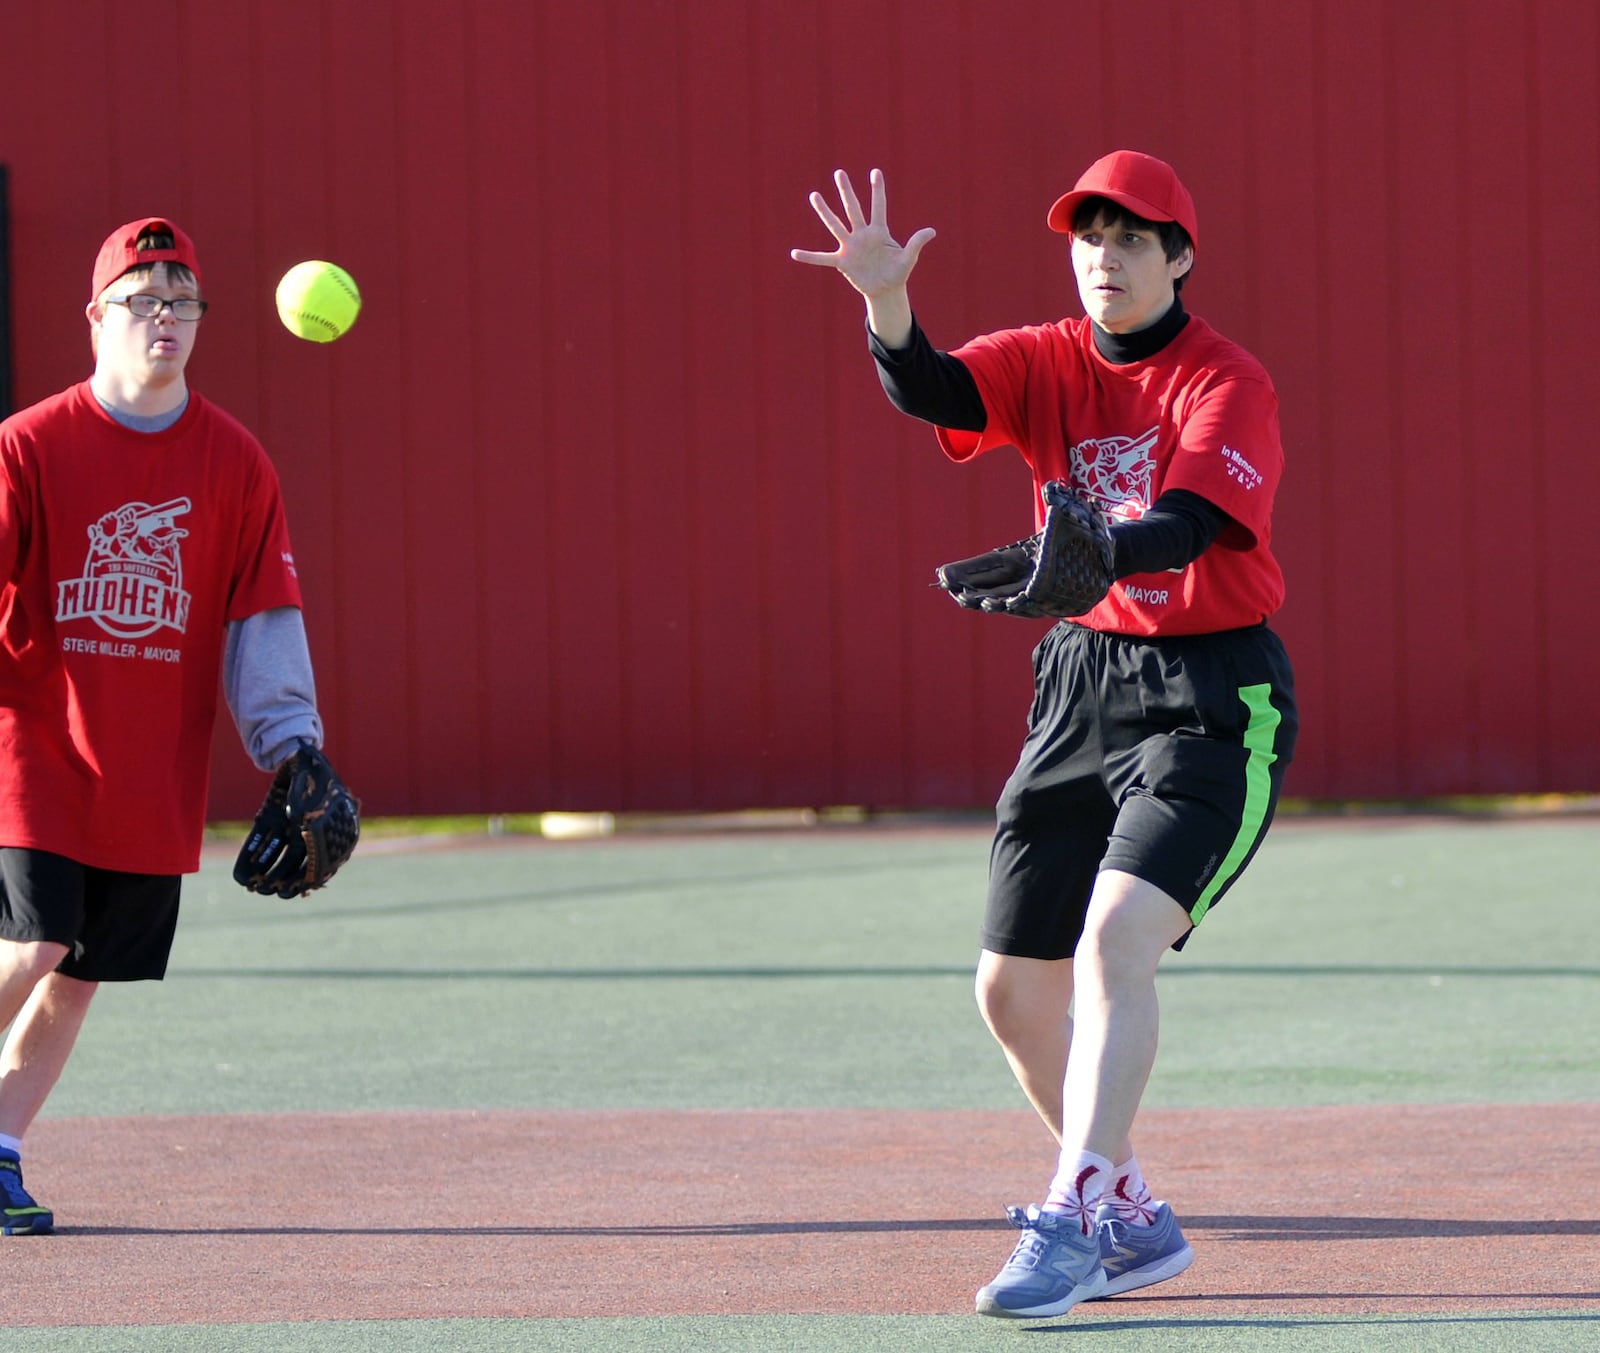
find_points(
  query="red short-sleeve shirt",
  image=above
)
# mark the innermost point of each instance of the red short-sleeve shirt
(123, 556)
(1199, 415)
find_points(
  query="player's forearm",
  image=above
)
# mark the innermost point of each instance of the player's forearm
(268, 682)
(1177, 530)
(889, 316)
(928, 384)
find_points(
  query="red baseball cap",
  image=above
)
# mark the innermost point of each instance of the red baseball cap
(1143, 184)
(120, 252)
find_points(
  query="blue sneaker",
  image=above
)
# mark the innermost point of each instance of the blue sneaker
(1140, 1256)
(1053, 1268)
(19, 1214)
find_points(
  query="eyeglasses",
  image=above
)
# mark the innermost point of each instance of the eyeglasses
(145, 306)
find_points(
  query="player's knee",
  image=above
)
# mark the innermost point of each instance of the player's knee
(995, 1004)
(1127, 932)
(1018, 996)
(1109, 958)
(31, 960)
(70, 993)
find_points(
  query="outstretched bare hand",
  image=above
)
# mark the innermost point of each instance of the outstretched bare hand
(867, 257)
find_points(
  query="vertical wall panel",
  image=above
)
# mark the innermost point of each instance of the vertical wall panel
(1501, 463)
(502, 414)
(653, 439)
(1357, 730)
(732, 597)
(1564, 156)
(803, 331)
(600, 505)
(1436, 696)
(443, 580)
(576, 238)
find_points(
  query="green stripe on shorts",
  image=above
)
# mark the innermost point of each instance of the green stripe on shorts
(1259, 740)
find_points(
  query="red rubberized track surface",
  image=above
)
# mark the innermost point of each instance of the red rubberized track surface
(297, 1217)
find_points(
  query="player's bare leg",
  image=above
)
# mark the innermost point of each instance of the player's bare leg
(22, 967)
(37, 1048)
(45, 1012)
(1067, 1253)
(1026, 1002)
(1131, 925)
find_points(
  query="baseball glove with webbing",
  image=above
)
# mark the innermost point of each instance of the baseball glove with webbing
(1064, 570)
(306, 829)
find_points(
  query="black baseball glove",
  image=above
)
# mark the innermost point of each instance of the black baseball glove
(1064, 570)
(306, 829)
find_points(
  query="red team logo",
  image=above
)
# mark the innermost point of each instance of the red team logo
(132, 583)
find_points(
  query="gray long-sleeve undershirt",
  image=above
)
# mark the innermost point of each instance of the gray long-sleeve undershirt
(268, 682)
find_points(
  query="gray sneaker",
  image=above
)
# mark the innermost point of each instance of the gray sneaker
(1053, 1268)
(1140, 1256)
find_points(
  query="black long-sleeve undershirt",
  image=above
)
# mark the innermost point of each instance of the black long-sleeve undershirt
(926, 383)
(929, 384)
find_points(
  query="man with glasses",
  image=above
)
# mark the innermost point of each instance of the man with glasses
(143, 552)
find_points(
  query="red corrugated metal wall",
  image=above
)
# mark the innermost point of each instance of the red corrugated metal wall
(600, 505)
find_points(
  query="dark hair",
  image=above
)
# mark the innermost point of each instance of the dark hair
(1174, 238)
(153, 238)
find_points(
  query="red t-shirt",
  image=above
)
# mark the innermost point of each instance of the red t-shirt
(123, 557)
(1199, 415)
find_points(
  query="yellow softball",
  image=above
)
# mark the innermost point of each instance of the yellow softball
(318, 301)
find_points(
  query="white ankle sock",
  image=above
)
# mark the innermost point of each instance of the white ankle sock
(11, 1143)
(1130, 1195)
(1081, 1179)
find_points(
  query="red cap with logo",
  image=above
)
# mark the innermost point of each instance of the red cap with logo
(120, 252)
(1146, 186)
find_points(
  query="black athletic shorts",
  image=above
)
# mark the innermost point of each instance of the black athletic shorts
(1162, 758)
(117, 927)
